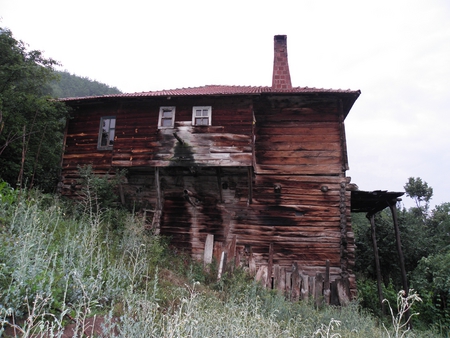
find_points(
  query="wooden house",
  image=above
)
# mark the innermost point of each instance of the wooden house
(254, 176)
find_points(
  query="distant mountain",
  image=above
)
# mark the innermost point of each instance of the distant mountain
(75, 86)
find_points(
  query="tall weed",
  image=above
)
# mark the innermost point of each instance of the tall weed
(56, 269)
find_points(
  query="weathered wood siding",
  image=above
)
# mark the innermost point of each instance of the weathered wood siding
(301, 207)
(298, 136)
(266, 179)
(81, 138)
(139, 143)
(227, 142)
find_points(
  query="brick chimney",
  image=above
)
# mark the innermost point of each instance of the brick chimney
(281, 78)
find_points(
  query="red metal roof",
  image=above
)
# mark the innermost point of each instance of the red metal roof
(222, 90)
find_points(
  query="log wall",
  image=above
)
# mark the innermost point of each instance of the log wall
(266, 180)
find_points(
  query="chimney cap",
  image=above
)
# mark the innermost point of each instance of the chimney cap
(280, 37)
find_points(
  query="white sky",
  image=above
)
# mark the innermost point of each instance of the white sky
(397, 52)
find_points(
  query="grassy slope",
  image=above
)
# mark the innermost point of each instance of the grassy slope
(67, 264)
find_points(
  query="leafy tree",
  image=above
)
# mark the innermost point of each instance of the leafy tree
(425, 240)
(31, 123)
(432, 277)
(420, 192)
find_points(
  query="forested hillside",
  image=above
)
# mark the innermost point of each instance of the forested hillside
(31, 124)
(70, 85)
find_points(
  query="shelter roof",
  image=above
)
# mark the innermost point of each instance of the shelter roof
(372, 202)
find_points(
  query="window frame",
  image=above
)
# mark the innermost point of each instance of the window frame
(109, 145)
(209, 108)
(160, 118)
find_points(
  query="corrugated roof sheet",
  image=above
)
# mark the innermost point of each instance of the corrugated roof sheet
(221, 90)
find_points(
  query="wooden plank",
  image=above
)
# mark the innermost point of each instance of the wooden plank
(322, 154)
(209, 247)
(332, 129)
(303, 145)
(251, 263)
(296, 139)
(299, 161)
(250, 185)
(326, 285)
(231, 254)
(262, 275)
(343, 291)
(318, 290)
(313, 169)
(297, 179)
(296, 283)
(305, 286)
(223, 262)
(269, 267)
(277, 277)
(288, 285)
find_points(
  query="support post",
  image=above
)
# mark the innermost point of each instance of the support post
(250, 186)
(326, 284)
(400, 253)
(269, 267)
(158, 190)
(377, 261)
(219, 183)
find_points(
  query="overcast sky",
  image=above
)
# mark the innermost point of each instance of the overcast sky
(396, 52)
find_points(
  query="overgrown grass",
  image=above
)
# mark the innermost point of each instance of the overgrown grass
(58, 268)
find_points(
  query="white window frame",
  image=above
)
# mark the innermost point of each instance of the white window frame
(161, 118)
(111, 130)
(209, 116)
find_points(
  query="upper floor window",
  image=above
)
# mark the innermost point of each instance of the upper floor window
(201, 116)
(166, 117)
(107, 132)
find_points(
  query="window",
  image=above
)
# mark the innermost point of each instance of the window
(166, 117)
(107, 132)
(201, 116)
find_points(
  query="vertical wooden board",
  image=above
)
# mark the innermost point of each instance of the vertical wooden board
(334, 296)
(239, 256)
(288, 285)
(343, 290)
(217, 253)
(326, 286)
(251, 264)
(158, 190)
(281, 278)
(296, 283)
(276, 276)
(305, 287)
(312, 285)
(231, 252)
(209, 248)
(318, 292)
(222, 264)
(269, 267)
(261, 274)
